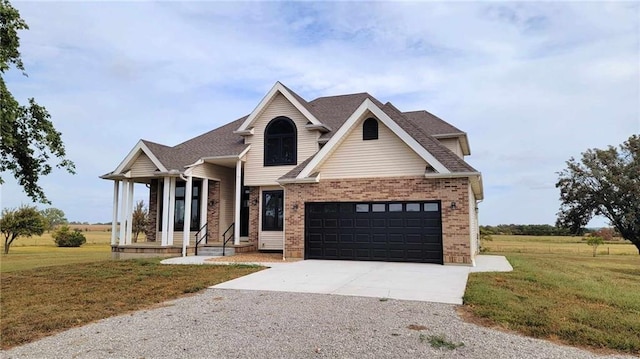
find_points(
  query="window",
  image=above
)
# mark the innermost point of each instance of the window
(362, 207)
(395, 207)
(280, 142)
(431, 207)
(378, 207)
(178, 219)
(370, 129)
(413, 207)
(272, 210)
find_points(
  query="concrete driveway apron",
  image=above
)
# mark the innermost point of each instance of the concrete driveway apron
(407, 281)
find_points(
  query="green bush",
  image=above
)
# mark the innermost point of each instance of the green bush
(65, 237)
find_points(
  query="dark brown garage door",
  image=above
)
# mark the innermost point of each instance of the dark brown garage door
(374, 231)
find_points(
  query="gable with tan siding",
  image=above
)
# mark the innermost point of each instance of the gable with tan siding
(388, 156)
(256, 174)
(143, 166)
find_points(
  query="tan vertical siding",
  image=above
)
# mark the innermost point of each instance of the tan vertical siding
(142, 167)
(388, 156)
(256, 173)
(454, 145)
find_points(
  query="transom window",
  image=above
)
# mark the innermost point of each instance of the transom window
(280, 142)
(370, 129)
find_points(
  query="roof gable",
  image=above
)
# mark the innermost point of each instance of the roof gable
(140, 147)
(298, 102)
(369, 106)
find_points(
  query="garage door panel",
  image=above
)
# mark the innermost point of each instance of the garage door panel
(382, 231)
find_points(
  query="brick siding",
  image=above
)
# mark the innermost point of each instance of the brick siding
(213, 212)
(455, 222)
(153, 211)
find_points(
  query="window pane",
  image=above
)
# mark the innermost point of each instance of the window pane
(287, 149)
(272, 150)
(413, 207)
(330, 208)
(272, 211)
(395, 207)
(179, 215)
(180, 191)
(378, 207)
(431, 207)
(362, 207)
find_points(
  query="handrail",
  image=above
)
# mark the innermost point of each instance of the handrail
(205, 236)
(224, 237)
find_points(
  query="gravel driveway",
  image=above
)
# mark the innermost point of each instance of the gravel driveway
(223, 323)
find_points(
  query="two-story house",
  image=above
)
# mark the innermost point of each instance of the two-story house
(341, 177)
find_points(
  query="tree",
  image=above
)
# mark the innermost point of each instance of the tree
(139, 220)
(594, 242)
(53, 217)
(65, 237)
(24, 221)
(29, 138)
(604, 182)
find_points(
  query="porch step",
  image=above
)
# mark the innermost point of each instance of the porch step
(215, 251)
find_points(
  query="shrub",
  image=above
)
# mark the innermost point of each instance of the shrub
(65, 237)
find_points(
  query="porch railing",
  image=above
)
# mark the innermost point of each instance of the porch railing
(203, 236)
(225, 234)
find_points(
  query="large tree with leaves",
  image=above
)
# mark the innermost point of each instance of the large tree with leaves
(29, 139)
(606, 183)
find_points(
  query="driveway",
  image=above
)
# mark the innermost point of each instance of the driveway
(406, 281)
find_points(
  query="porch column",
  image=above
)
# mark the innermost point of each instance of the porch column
(186, 232)
(172, 210)
(130, 204)
(204, 200)
(114, 221)
(123, 212)
(165, 211)
(237, 204)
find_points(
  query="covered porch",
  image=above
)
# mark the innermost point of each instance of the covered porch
(193, 211)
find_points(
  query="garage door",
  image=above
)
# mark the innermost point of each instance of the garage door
(374, 231)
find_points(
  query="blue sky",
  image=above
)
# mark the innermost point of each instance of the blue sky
(532, 84)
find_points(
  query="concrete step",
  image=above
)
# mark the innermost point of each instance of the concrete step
(215, 251)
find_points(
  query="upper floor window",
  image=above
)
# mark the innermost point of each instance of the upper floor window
(280, 142)
(370, 129)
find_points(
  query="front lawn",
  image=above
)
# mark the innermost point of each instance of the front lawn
(40, 302)
(577, 300)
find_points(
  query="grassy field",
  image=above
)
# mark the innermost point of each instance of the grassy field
(41, 251)
(555, 244)
(40, 302)
(566, 295)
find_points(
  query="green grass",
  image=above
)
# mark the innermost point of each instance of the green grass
(568, 297)
(40, 302)
(23, 258)
(440, 342)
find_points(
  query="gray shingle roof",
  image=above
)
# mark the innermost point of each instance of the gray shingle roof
(332, 111)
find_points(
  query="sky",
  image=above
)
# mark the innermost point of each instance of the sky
(533, 84)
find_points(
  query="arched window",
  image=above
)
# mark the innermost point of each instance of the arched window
(280, 142)
(370, 129)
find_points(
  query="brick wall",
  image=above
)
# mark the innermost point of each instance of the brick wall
(254, 212)
(213, 212)
(455, 222)
(153, 211)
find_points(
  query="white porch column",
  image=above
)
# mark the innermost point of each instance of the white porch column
(186, 232)
(172, 210)
(165, 211)
(130, 205)
(204, 200)
(123, 212)
(237, 204)
(114, 221)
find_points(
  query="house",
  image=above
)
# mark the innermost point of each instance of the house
(340, 177)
